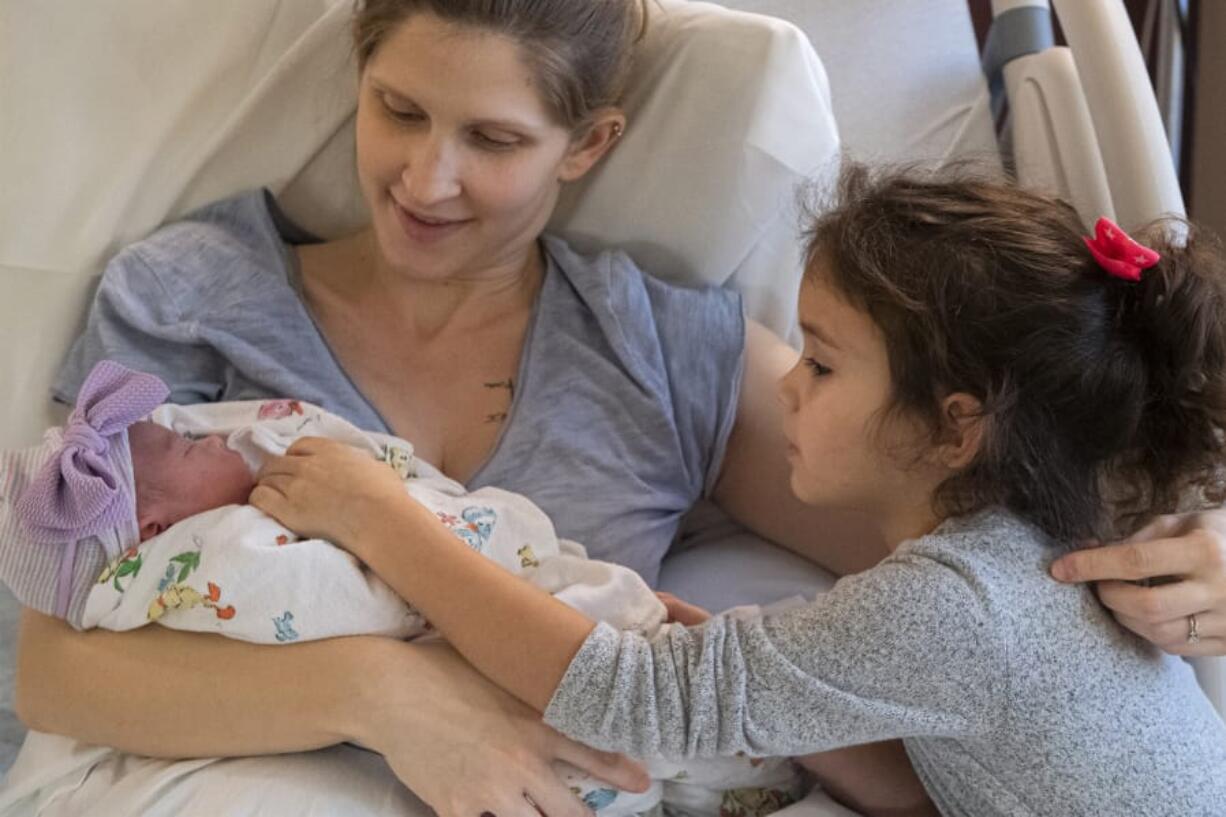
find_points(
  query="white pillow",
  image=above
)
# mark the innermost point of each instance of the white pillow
(122, 115)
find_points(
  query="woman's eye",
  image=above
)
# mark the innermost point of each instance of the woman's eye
(818, 369)
(492, 142)
(402, 114)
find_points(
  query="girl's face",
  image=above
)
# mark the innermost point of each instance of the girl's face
(459, 160)
(845, 452)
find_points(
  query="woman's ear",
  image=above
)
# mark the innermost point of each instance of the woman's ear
(964, 422)
(597, 139)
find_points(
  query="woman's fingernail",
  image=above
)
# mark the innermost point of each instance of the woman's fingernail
(1060, 571)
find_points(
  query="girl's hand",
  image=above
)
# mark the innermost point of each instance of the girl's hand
(467, 747)
(682, 612)
(322, 489)
(1186, 550)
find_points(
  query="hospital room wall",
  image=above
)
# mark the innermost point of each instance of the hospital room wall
(1208, 176)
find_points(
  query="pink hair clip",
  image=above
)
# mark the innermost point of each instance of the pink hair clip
(1117, 253)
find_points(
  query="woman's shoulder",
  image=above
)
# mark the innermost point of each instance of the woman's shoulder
(228, 248)
(621, 294)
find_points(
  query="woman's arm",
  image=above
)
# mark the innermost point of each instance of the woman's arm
(754, 487)
(116, 688)
(422, 707)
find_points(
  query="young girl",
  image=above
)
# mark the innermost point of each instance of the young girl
(992, 388)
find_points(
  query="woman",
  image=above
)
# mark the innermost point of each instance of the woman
(611, 400)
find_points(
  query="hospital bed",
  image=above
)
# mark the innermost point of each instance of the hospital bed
(117, 116)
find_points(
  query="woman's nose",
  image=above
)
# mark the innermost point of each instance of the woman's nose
(430, 174)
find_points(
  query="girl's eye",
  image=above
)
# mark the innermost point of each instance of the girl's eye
(818, 369)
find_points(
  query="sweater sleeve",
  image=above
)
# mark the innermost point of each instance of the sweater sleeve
(904, 649)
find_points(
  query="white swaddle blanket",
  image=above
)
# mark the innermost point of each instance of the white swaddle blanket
(236, 571)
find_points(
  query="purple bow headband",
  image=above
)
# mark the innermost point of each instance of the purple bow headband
(83, 489)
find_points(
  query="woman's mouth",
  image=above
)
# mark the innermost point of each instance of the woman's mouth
(424, 228)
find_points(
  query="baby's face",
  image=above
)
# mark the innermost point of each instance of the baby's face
(177, 477)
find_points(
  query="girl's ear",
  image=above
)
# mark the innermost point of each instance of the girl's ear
(964, 430)
(606, 128)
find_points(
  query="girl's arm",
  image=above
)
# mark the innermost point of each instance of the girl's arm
(519, 636)
(848, 668)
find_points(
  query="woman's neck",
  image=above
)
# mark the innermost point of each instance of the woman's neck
(424, 309)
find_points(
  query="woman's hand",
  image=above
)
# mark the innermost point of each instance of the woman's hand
(469, 748)
(322, 489)
(1186, 551)
(682, 612)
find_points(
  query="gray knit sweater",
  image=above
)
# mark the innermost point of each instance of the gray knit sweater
(1014, 695)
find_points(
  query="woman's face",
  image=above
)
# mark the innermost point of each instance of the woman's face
(459, 160)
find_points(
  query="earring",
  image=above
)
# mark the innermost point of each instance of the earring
(617, 131)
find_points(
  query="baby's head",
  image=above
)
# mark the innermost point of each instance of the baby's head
(113, 475)
(965, 348)
(176, 477)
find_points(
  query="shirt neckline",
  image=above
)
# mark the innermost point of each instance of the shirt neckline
(290, 235)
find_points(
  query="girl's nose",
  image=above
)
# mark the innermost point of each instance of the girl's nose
(785, 390)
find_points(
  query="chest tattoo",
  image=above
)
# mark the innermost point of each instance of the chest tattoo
(509, 385)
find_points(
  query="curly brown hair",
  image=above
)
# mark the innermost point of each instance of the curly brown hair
(1102, 399)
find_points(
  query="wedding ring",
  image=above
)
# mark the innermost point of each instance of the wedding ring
(1193, 635)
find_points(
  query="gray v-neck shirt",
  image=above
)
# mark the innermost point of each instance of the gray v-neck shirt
(627, 387)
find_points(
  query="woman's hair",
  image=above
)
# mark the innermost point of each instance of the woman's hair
(1102, 399)
(579, 51)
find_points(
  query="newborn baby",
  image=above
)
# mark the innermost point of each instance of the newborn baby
(176, 477)
(151, 519)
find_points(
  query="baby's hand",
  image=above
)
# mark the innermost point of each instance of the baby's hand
(322, 489)
(682, 612)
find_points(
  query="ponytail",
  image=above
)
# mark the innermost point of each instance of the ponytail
(1175, 317)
